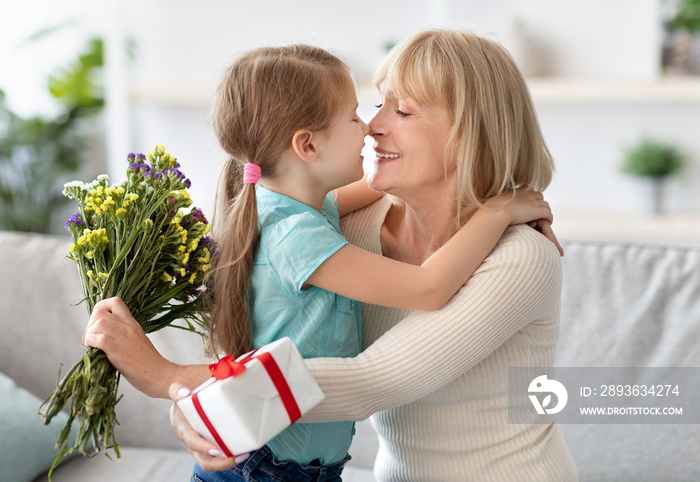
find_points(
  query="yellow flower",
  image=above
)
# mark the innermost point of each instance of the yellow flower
(166, 277)
(90, 274)
(72, 248)
(147, 223)
(206, 256)
(125, 204)
(82, 240)
(121, 213)
(182, 249)
(206, 267)
(185, 258)
(183, 272)
(108, 203)
(185, 197)
(193, 245)
(90, 254)
(192, 278)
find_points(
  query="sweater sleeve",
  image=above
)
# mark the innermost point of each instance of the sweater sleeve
(519, 283)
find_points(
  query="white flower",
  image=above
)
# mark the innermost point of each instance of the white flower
(74, 188)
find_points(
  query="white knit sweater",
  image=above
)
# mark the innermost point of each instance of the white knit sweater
(437, 382)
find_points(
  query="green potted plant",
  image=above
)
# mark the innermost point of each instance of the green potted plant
(38, 155)
(653, 161)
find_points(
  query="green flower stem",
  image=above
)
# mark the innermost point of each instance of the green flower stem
(92, 383)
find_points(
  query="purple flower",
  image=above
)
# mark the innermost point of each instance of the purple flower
(131, 157)
(197, 215)
(188, 184)
(158, 175)
(140, 157)
(74, 220)
(134, 166)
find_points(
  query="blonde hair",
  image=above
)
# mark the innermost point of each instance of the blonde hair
(263, 99)
(495, 133)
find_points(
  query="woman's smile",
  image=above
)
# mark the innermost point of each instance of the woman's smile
(383, 155)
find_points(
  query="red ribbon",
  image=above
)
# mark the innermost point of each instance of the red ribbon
(226, 367)
(229, 367)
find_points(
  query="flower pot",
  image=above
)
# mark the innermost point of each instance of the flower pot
(653, 189)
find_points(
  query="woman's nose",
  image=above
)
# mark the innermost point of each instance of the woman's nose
(375, 125)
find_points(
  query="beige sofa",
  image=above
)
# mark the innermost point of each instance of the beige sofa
(623, 305)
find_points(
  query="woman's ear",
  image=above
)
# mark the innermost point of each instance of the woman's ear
(305, 146)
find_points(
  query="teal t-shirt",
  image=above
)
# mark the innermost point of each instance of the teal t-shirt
(294, 240)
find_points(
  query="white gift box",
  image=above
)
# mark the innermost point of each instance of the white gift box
(252, 399)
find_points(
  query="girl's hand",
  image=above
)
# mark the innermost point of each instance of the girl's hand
(113, 330)
(545, 227)
(522, 206)
(527, 206)
(207, 455)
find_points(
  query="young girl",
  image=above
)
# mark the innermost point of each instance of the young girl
(287, 118)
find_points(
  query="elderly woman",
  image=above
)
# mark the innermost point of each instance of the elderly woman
(436, 383)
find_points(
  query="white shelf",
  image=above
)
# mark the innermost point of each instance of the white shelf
(180, 96)
(662, 90)
(544, 90)
(669, 229)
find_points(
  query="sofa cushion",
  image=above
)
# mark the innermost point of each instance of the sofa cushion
(631, 305)
(26, 446)
(135, 465)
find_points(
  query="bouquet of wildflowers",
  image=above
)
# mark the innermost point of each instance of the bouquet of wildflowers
(133, 241)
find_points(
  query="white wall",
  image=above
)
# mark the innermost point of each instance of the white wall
(162, 95)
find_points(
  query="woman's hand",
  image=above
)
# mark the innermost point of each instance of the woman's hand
(113, 330)
(207, 455)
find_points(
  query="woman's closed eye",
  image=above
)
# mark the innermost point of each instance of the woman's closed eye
(402, 113)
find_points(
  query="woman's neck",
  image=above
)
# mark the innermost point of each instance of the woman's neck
(415, 229)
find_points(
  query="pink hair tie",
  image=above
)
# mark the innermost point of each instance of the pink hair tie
(251, 173)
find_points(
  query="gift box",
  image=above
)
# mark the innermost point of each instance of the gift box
(249, 400)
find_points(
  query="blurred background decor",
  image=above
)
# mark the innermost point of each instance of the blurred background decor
(681, 53)
(653, 161)
(39, 154)
(593, 93)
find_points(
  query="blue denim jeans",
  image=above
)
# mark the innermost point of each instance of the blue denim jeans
(262, 466)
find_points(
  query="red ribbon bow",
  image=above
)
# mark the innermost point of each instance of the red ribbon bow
(226, 367)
